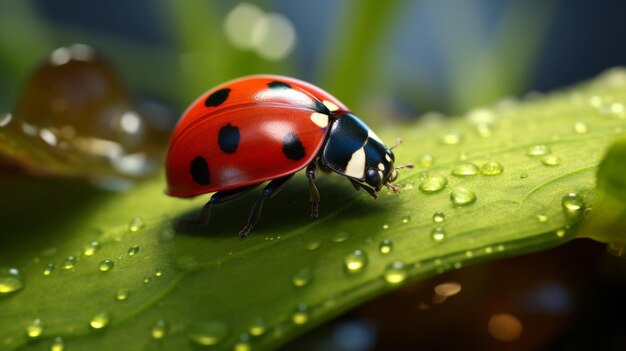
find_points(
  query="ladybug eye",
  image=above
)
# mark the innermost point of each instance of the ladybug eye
(373, 177)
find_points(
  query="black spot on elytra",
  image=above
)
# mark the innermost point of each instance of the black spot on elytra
(199, 170)
(292, 147)
(228, 138)
(321, 108)
(217, 98)
(278, 85)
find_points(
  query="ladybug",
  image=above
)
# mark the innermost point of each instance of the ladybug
(261, 128)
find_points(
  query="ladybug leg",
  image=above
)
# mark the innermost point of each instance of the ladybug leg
(221, 197)
(358, 186)
(273, 188)
(311, 172)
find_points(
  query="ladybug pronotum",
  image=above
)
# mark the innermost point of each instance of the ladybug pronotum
(264, 128)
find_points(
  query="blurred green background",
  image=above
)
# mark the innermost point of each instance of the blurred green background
(389, 61)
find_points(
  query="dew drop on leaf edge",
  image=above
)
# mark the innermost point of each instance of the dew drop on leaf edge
(301, 314)
(11, 280)
(396, 273)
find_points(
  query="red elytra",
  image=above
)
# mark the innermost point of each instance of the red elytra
(247, 131)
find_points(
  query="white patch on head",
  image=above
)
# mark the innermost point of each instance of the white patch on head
(381, 166)
(373, 135)
(356, 165)
(380, 174)
(320, 119)
(388, 157)
(330, 106)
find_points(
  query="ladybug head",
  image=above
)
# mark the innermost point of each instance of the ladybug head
(380, 170)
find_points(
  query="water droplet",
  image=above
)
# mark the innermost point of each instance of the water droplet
(339, 237)
(573, 205)
(438, 234)
(312, 245)
(406, 219)
(452, 137)
(147, 279)
(385, 226)
(207, 333)
(136, 224)
(100, 320)
(560, 233)
(500, 248)
(158, 272)
(426, 160)
(538, 150)
(11, 280)
(542, 218)
(433, 184)
(551, 160)
(69, 263)
(465, 169)
(491, 168)
(396, 273)
(34, 329)
(242, 345)
(57, 344)
(581, 128)
(485, 130)
(462, 196)
(469, 254)
(385, 246)
(159, 329)
(91, 248)
(122, 294)
(301, 314)
(355, 261)
(488, 250)
(302, 277)
(106, 265)
(258, 327)
(50, 267)
(447, 289)
(132, 251)
(439, 217)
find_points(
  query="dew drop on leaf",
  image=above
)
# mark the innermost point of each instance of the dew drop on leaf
(207, 333)
(312, 245)
(91, 248)
(491, 168)
(339, 237)
(159, 329)
(581, 128)
(132, 251)
(542, 218)
(573, 205)
(385, 246)
(560, 233)
(301, 314)
(551, 160)
(57, 344)
(106, 265)
(355, 261)
(122, 294)
(451, 137)
(538, 150)
(48, 269)
(34, 329)
(438, 234)
(69, 263)
(11, 280)
(426, 160)
(258, 327)
(433, 184)
(465, 169)
(406, 219)
(462, 196)
(100, 320)
(395, 273)
(158, 272)
(302, 277)
(136, 224)
(439, 217)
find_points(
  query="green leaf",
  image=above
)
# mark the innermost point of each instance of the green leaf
(210, 287)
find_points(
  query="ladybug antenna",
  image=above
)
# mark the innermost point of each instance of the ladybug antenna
(392, 186)
(408, 165)
(398, 142)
